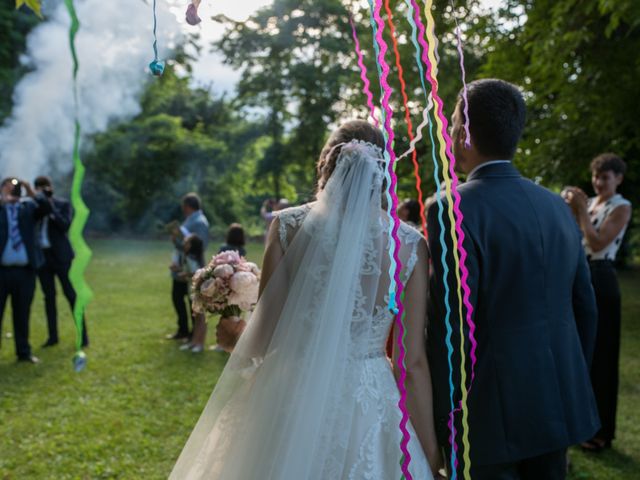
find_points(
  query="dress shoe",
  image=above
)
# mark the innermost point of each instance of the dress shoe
(49, 343)
(29, 359)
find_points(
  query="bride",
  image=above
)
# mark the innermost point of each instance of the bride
(308, 392)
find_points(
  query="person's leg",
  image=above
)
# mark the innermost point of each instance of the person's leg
(62, 272)
(550, 466)
(505, 471)
(605, 366)
(178, 293)
(199, 330)
(48, 285)
(4, 293)
(21, 298)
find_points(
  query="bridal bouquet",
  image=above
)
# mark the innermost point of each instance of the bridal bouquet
(228, 285)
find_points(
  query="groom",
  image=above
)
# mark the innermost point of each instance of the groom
(534, 307)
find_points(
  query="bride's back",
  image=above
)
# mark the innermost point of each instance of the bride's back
(375, 266)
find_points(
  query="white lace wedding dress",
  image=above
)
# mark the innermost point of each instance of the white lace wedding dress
(308, 392)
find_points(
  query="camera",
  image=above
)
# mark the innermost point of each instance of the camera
(48, 192)
(16, 187)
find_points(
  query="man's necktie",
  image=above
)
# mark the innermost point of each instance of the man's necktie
(14, 229)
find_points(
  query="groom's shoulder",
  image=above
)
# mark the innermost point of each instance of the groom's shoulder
(541, 191)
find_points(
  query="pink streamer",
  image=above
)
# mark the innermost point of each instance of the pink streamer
(366, 87)
(394, 233)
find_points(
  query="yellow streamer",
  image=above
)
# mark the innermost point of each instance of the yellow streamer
(431, 40)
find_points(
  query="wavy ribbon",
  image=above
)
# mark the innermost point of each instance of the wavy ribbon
(366, 85)
(465, 102)
(81, 212)
(396, 287)
(421, 47)
(407, 116)
(460, 254)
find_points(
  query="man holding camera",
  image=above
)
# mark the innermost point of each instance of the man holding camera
(21, 255)
(58, 255)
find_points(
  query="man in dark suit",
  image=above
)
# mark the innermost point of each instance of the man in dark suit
(21, 256)
(58, 255)
(533, 305)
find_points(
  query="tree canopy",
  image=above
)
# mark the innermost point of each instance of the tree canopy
(574, 60)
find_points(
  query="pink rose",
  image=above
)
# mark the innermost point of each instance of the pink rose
(240, 281)
(254, 269)
(223, 271)
(208, 288)
(230, 257)
(199, 275)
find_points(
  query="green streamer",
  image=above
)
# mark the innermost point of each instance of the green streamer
(81, 211)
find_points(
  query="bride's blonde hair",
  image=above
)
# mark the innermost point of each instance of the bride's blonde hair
(351, 130)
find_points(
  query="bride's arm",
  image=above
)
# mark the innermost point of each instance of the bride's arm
(272, 254)
(418, 380)
(227, 331)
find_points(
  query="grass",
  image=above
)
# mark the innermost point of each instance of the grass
(129, 413)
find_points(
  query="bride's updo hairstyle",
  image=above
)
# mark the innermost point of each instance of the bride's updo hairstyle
(352, 130)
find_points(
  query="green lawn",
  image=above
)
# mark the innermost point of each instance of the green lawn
(129, 413)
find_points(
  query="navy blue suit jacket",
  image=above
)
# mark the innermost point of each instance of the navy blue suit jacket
(30, 213)
(59, 223)
(535, 313)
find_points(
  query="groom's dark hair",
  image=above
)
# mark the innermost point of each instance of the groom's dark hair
(497, 115)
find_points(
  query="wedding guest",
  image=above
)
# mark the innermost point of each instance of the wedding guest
(21, 256)
(195, 223)
(603, 220)
(58, 256)
(409, 212)
(269, 206)
(235, 240)
(191, 261)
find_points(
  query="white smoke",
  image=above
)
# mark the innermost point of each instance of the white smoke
(114, 48)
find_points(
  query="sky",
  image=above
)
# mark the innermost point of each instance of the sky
(209, 70)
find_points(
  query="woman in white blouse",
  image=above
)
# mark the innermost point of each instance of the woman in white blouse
(603, 220)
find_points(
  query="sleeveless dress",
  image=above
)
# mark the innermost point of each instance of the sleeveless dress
(373, 448)
(606, 355)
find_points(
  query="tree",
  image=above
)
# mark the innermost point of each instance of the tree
(298, 65)
(183, 140)
(15, 25)
(574, 60)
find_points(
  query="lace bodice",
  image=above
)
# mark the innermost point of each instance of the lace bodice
(372, 343)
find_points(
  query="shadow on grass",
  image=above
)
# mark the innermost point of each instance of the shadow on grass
(609, 464)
